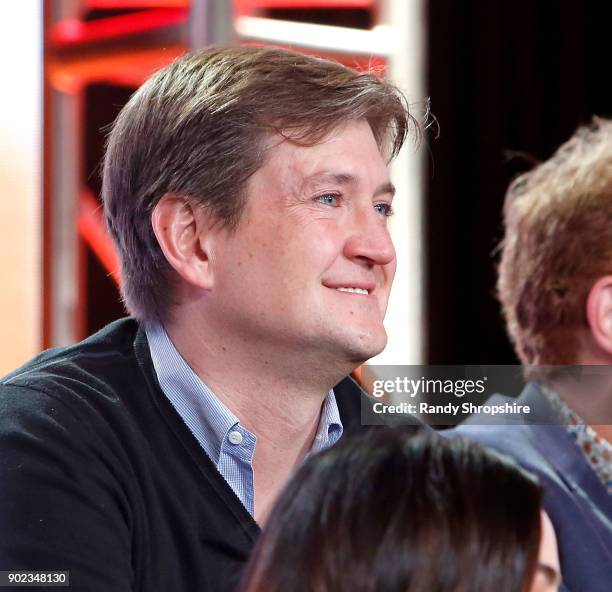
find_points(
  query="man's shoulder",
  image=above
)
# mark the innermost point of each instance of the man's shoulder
(517, 440)
(532, 439)
(98, 364)
(115, 341)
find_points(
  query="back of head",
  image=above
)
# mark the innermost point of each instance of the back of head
(401, 514)
(557, 243)
(197, 129)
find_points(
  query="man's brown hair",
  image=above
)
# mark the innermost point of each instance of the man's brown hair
(197, 128)
(558, 242)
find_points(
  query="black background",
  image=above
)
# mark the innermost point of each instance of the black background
(505, 78)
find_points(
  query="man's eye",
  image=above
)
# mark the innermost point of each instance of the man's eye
(384, 208)
(329, 199)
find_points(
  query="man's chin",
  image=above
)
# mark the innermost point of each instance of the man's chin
(367, 346)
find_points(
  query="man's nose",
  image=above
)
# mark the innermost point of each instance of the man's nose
(369, 240)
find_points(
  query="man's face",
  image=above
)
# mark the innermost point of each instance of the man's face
(310, 266)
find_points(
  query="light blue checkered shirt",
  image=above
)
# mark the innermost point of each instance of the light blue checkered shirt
(230, 446)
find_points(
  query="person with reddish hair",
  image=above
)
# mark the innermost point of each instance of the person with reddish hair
(555, 287)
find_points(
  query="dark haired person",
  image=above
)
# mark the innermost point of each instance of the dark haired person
(247, 192)
(555, 286)
(393, 513)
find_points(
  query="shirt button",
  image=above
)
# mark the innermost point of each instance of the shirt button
(235, 437)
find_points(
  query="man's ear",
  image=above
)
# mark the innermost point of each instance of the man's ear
(599, 312)
(181, 230)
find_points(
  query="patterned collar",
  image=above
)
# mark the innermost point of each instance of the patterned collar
(596, 450)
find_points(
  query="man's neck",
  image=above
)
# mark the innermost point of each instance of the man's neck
(603, 431)
(271, 392)
(275, 396)
(590, 396)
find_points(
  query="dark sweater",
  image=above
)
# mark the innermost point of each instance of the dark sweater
(100, 476)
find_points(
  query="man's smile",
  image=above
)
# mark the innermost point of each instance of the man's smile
(354, 290)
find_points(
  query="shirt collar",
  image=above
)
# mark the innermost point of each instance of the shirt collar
(330, 426)
(205, 415)
(596, 450)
